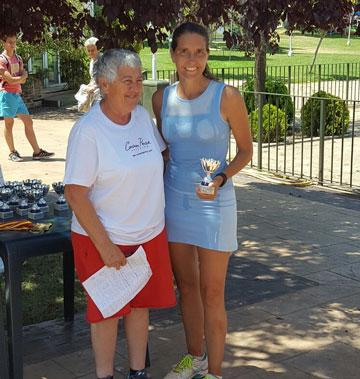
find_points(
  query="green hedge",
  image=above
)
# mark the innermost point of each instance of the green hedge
(75, 69)
(285, 103)
(274, 123)
(336, 115)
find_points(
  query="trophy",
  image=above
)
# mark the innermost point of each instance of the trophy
(42, 202)
(5, 210)
(209, 166)
(61, 204)
(23, 208)
(34, 196)
(14, 199)
(35, 182)
(27, 183)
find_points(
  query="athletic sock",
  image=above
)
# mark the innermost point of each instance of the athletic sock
(199, 357)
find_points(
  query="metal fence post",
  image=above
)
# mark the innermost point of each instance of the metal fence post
(289, 80)
(319, 81)
(260, 129)
(321, 142)
(347, 80)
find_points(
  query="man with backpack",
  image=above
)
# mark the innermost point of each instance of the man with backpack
(12, 76)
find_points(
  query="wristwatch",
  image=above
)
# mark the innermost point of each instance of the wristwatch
(224, 178)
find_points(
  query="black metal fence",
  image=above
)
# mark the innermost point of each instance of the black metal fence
(314, 138)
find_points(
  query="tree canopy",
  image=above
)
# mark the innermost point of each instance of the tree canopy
(123, 22)
(33, 18)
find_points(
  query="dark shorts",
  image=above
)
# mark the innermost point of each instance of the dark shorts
(158, 292)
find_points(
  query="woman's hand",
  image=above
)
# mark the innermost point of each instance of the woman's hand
(112, 256)
(216, 182)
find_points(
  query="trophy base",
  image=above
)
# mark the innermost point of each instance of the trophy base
(22, 211)
(61, 207)
(35, 215)
(6, 214)
(44, 208)
(206, 189)
(13, 206)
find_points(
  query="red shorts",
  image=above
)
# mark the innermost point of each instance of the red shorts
(159, 290)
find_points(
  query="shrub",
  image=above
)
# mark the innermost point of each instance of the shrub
(336, 115)
(77, 68)
(285, 103)
(274, 123)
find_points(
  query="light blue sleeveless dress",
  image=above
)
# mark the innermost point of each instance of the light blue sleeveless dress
(194, 129)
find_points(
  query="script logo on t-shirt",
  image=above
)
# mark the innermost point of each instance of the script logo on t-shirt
(138, 147)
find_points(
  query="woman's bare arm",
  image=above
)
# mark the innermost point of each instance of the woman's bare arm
(234, 111)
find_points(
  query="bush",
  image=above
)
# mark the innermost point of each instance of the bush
(285, 103)
(77, 68)
(336, 115)
(274, 123)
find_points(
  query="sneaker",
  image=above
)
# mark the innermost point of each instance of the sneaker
(140, 374)
(210, 376)
(189, 367)
(42, 154)
(15, 156)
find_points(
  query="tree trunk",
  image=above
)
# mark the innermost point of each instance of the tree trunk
(317, 50)
(260, 66)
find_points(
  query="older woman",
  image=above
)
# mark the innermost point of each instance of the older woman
(114, 185)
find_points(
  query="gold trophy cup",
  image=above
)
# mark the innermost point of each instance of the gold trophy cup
(209, 166)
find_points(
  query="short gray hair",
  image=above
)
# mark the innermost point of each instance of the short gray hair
(91, 41)
(108, 64)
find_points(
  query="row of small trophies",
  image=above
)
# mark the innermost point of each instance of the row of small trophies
(27, 199)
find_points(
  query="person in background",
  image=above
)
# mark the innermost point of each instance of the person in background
(89, 93)
(12, 76)
(114, 185)
(197, 115)
(93, 53)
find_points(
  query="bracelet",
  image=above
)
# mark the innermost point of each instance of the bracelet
(224, 178)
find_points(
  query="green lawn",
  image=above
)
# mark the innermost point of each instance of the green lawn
(42, 290)
(332, 50)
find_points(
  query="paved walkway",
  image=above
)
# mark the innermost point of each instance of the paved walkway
(293, 287)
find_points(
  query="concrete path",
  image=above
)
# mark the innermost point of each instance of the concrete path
(305, 242)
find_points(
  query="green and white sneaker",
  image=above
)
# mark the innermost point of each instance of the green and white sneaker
(211, 376)
(189, 367)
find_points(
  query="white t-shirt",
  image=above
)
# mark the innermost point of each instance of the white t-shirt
(123, 167)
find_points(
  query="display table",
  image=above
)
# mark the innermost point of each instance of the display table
(4, 373)
(15, 248)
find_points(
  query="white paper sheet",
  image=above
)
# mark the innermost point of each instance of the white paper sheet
(112, 289)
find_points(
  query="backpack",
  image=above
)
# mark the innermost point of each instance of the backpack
(3, 56)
